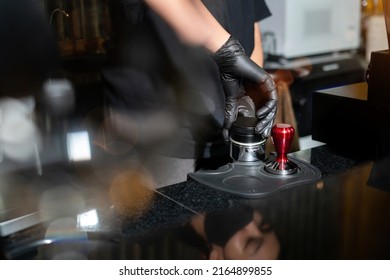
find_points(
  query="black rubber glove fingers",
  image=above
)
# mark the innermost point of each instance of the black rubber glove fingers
(237, 69)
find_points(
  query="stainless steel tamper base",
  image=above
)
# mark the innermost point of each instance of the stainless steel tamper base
(274, 167)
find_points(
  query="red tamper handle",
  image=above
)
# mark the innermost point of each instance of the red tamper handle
(282, 136)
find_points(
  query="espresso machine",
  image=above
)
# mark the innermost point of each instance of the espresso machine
(252, 174)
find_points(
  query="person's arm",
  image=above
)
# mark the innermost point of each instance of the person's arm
(194, 24)
(191, 20)
(257, 53)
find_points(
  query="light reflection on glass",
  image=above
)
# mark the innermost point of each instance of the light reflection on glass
(19, 136)
(131, 192)
(60, 201)
(64, 229)
(78, 145)
(66, 240)
(88, 219)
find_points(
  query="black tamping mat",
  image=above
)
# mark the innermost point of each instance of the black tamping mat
(251, 180)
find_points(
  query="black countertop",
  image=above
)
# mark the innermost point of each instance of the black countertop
(340, 217)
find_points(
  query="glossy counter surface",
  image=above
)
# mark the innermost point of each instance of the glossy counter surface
(104, 209)
(343, 216)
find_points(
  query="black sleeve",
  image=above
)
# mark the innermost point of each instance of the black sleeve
(261, 10)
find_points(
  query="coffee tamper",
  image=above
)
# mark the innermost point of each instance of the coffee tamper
(282, 136)
(251, 174)
(245, 144)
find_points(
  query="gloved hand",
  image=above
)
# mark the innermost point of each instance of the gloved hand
(236, 69)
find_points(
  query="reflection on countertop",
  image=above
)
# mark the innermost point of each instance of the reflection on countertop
(100, 203)
(106, 210)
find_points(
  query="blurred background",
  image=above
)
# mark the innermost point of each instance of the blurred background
(52, 107)
(334, 51)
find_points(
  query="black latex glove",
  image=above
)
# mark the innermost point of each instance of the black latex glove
(236, 69)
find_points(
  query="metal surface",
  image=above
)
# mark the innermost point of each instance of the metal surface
(282, 136)
(282, 168)
(18, 222)
(245, 144)
(247, 152)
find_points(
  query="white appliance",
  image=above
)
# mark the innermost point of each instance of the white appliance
(309, 27)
